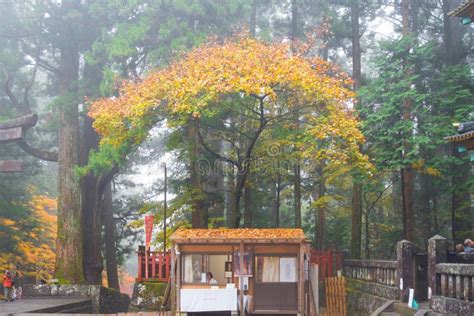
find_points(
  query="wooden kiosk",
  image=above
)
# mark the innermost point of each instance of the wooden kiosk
(255, 271)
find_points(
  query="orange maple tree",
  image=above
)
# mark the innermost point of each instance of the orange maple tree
(34, 254)
(204, 76)
(269, 84)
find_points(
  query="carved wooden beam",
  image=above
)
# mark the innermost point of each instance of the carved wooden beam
(11, 135)
(11, 166)
(24, 122)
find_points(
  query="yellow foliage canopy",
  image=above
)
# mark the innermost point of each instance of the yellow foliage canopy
(209, 73)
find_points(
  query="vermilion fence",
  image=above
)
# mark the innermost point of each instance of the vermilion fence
(328, 261)
(158, 266)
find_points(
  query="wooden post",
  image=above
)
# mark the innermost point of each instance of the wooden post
(437, 253)
(301, 293)
(139, 277)
(178, 279)
(146, 262)
(172, 281)
(165, 208)
(405, 261)
(314, 277)
(153, 264)
(241, 279)
(167, 266)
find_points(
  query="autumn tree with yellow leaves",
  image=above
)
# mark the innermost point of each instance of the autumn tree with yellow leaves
(237, 92)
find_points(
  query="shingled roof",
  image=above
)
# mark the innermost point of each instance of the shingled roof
(239, 234)
(466, 9)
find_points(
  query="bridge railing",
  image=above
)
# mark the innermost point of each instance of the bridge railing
(455, 280)
(376, 271)
(158, 266)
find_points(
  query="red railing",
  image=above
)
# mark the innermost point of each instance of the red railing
(328, 261)
(158, 266)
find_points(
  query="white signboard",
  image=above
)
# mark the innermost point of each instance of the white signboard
(208, 300)
(287, 269)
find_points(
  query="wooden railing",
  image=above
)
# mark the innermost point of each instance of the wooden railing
(329, 262)
(455, 281)
(376, 271)
(158, 266)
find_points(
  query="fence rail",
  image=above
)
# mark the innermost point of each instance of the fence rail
(455, 281)
(329, 262)
(377, 271)
(158, 266)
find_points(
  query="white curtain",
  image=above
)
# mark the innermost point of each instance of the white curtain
(271, 269)
(188, 269)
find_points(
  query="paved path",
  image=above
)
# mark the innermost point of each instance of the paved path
(119, 314)
(37, 304)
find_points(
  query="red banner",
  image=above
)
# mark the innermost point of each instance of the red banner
(148, 230)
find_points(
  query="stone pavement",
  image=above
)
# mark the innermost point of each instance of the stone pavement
(47, 304)
(119, 314)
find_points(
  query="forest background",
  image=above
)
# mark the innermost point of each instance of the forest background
(412, 70)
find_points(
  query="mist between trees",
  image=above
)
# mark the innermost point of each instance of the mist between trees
(254, 97)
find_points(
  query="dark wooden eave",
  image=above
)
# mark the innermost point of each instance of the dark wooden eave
(464, 139)
(460, 137)
(24, 122)
(464, 10)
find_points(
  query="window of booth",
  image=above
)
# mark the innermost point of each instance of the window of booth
(276, 269)
(196, 266)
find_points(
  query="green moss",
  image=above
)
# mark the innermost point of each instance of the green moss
(153, 290)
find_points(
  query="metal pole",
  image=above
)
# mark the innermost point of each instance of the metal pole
(164, 210)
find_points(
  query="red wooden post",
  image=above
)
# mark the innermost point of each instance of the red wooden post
(153, 265)
(160, 265)
(323, 261)
(330, 262)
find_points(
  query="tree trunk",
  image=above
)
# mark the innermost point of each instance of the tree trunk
(238, 191)
(91, 192)
(320, 211)
(407, 172)
(253, 19)
(277, 201)
(69, 245)
(297, 169)
(91, 210)
(248, 206)
(109, 237)
(367, 235)
(229, 197)
(198, 211)
(356, 224)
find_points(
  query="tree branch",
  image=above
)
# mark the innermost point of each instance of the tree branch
(212, 152)
(38, 153)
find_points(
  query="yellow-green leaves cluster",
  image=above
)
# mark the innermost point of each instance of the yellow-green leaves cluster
(206, 74)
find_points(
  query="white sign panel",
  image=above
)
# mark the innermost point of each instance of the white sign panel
(287, 269)
(208, 300)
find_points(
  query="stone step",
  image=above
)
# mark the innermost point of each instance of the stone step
(84, 309)
(403, 309)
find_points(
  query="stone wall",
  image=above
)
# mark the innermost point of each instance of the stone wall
(360, 301)
(451, 279)
(104, 300)
(148, 296)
